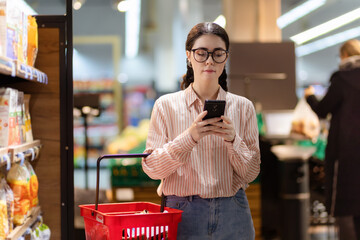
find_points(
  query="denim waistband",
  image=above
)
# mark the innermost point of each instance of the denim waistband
(189, 198)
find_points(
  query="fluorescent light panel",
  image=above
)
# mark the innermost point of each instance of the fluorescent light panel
(132, 28)
(221, 20)
(327, 42)
(299, 12)
(326, 27)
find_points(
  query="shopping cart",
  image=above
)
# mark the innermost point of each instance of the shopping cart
(133, 220)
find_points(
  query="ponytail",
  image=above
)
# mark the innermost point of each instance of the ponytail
(223, 81)
(188, 78)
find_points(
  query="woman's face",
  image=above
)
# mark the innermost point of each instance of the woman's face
(208, 70)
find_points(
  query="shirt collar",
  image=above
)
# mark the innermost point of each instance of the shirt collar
(191, 97)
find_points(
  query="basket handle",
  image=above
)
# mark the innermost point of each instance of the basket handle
(132, 155)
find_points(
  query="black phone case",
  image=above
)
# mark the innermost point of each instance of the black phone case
(215, 108)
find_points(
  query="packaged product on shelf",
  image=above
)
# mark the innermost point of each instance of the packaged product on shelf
(4, 221)
(3, 28)
(28, 129)
(13, 124)
(9, 125)
(42, 232)
(34, 186)
(32, 41)
(9, 203)
(23, 38)
(18, 178)
(4, 116)
(13, 16)
(20, 118)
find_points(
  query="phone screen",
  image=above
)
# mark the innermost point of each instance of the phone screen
(215, 108)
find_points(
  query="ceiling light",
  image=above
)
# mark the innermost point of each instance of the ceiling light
(327, 42)
(326, 27)
(299, 12)
(77, 4)
(123, 6)
(132, 28)
(220, 20)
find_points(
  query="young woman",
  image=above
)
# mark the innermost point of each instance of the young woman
(205, 165)
(342, 156)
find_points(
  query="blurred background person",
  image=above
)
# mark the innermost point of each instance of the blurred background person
(342, 160)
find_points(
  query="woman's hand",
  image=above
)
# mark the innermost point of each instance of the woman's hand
(200, 128)
(309, 91)
(225, 129)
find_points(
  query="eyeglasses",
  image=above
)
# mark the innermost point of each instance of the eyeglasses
(218, 55)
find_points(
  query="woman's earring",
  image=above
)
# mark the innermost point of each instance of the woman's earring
(188, 63)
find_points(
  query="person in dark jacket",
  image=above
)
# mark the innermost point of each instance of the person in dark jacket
(342, 158)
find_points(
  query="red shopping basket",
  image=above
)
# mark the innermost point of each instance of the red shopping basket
(133, 220)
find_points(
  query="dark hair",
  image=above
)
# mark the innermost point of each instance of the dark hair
(196, 32)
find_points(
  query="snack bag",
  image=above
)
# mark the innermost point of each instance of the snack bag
(19, 180)
(13, 124)
(305, 121)
(4, 224)
(10, 203)
(32, 40)
(2, 27)
(13, 19)
(34, 186)
(4, 117)
(20, 118)
(27, 119)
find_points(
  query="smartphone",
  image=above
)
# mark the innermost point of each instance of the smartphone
(215, 108)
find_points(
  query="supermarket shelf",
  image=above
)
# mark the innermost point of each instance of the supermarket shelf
(29, 221)
(16, 69)
(12, 151)
(7, 66)
(27, 72)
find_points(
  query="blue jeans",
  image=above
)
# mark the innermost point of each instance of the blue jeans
(214, 218)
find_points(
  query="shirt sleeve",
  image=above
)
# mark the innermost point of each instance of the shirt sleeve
(244, 151)
(166, 155)
(330, 101)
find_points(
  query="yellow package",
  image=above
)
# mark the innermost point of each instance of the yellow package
(32, 41)
(34, 186)
(19, 180)
(10, 203)
(27, 119)
(4, 225)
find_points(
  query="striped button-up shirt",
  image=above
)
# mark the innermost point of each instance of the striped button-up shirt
(210, 167)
